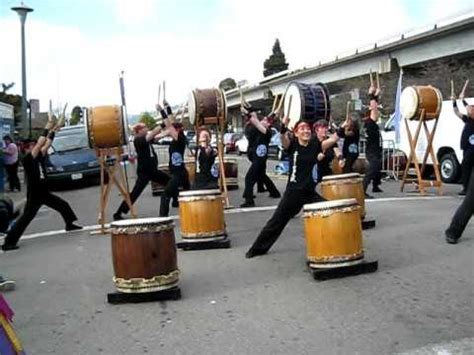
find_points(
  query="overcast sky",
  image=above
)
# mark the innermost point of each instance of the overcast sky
(77, 48)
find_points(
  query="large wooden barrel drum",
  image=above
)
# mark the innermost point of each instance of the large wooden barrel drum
(333, 233)
(207, 107)
(144, 255)
(231, 171)
(415, 99)
(105, 127)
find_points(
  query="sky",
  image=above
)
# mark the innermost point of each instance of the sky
(76, 49)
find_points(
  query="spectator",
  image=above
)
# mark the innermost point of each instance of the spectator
(11, 163)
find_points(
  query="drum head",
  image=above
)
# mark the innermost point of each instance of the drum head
(139, 222)
(195, 193)
(328, 205)
(192, 110)
(342, 176)
(292, 104)
(409, 102)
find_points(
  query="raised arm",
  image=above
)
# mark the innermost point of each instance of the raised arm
(284, 134)
(330, 142)
(254, 121)
(168, 130)
(42, 139)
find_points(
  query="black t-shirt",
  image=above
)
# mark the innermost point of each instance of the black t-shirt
(35, 172)
(258, 141)
(351, 143)
(374, 139)
(205, 163)
(467, 136)
(176, 153)
(324, 166)
(146, 156)
(303, 165)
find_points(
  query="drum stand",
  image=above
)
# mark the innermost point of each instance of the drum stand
(105, 187)
(164, 295)
(413, 140)
(335, 272)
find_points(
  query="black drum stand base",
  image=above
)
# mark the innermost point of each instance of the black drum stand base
(164, 295)
(211, 244)
(368, 224)
(363, 267)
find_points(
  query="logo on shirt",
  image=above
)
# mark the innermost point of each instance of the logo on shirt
(215, 171)
(471, 139)
(261, 150)
(176, 159)
(314, 173)
(353, 148)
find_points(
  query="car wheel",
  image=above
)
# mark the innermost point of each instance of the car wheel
(449, 168)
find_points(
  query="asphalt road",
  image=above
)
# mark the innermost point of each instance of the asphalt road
(419, 301)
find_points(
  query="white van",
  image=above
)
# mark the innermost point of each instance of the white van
(446, 143)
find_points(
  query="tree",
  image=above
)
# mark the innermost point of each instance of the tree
(276, 62)
(76, 115)
(148, 120)
(227, 84)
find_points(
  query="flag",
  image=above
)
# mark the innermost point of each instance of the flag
(397, 116)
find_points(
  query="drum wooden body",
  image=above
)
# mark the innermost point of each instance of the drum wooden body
(105, 127)
(309, 102)
(344, 186)
(416, 98)
(230, 170)
(157, 188)
(333, 233)
(207, 107)
(201, 215)
(144, 255)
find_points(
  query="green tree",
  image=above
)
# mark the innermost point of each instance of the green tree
(147, 119)
(76, 115)
(227, 84)
(276, 62)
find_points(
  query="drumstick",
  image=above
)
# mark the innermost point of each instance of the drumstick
(463, 92)
(371, 78)
(348, 106)
(378, 82)
(452, 88)
(50, 112)
(159, 93)
(289, 106)
(275, 101)
(164, 90)
(280, 104)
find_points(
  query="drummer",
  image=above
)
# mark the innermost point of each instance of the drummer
(147, 164)
(179, 174)
(349, 130)
(205, 159)
(303, 150)
(259, 138)
(325, 157)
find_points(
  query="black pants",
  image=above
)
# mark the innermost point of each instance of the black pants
(373, 173)
(33, 203)
(143, 178)
(257, 172)
(464, 212)
(466, 166)
(204, 182)
(12, 175)
(261, 187)
(350, 160)
(290, 204)
(179, 178)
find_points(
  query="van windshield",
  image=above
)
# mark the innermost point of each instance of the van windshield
(64, 143)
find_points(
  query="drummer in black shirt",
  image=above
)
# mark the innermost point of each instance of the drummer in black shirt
(303, 152)
(259, 138)
(147, 164)
(37, 190)
(467, 140)
(349, 130)
(373, 150)
(326, 157)
(179, 174)
(205, 158)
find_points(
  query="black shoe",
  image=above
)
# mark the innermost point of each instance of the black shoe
(248, 204)
(368, 197)
(275, 195)
(261, 190)
(377, 189)
(6, 247)
(72, 227)
(462, 192)
(252, 253)
(451, 239)
(175, 203)
(117, 216)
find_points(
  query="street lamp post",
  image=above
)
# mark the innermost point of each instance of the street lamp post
(22, 11)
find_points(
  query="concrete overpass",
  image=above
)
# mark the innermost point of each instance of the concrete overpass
(451, 39)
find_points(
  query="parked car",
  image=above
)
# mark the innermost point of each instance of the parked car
(229, 141)
(70, 158)
(275, 148)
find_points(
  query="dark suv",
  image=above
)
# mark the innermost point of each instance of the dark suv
(70, 158)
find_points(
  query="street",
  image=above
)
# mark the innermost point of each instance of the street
(421, 295)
